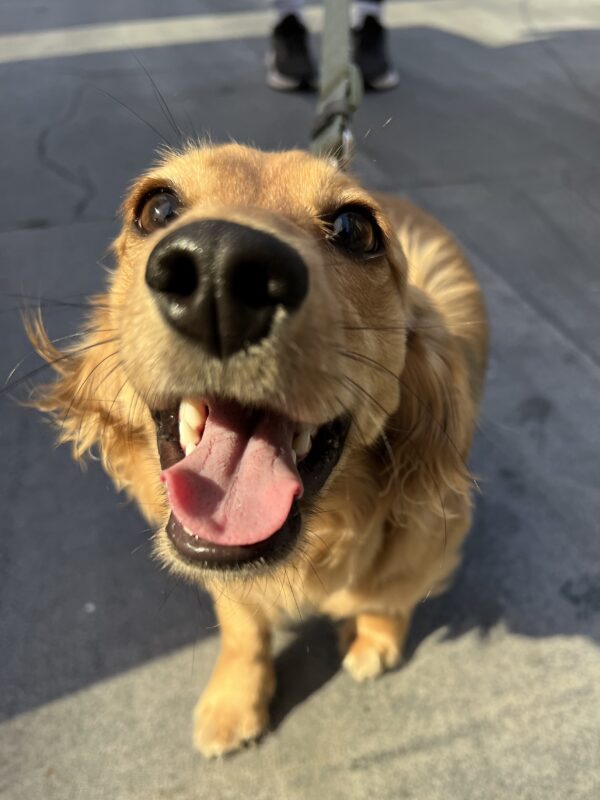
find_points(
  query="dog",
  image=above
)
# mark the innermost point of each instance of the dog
(284, 373)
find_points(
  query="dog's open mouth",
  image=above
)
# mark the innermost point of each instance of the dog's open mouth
(238, 479)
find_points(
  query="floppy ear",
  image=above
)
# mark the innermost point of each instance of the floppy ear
(431, 432)
(93, 405)
(86, 400)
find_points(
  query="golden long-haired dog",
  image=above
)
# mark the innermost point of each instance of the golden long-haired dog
(284, 373)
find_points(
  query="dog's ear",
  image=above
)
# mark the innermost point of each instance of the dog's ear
(76, 400)
(430, 433)
(93, 406)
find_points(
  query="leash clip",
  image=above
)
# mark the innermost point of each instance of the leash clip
(332, 134)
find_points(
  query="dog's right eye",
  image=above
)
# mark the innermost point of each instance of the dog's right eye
(157, 209)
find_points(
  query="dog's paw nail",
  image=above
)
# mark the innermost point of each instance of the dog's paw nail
(219, 731)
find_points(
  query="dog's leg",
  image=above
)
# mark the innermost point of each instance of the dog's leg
(235, 705)
(375, 644)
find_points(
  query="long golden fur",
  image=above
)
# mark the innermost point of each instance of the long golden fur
(400, 345)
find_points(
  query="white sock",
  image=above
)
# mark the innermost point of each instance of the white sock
(286, 7)
(362, 9)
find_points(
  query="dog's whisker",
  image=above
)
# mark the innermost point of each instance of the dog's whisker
(108, 416)
(383, 328)
(307, 559)
(103, 380)
(20, 363)
(164, 107)
(292, 594)
(166, 595)
(141, 546)
(366, 394)
(39, 301)
(53, 363)
(413, 326)
(377, 365)
(312, 533)
(134, 113)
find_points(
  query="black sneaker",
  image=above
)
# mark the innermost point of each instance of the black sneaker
(289, 63)
(371, 58)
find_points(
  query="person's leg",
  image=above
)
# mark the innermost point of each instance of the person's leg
(286, 7)
(361, 9)
(370, 53)
(289, 62)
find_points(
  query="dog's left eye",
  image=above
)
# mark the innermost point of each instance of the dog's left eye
(356, 231)
(157, 209)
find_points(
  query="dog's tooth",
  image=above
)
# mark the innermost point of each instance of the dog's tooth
(189, 448)
(194, 413)
(187, 435)
(302, 428)
(301, 443)
(294, 457)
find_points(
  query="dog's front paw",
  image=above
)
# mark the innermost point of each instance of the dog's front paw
(234, 708)
(221, 727)
(368, 658)
(372, 644)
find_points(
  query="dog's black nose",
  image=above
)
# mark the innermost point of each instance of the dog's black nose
(221, 283)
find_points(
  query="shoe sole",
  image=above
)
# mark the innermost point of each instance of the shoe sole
(283, 83)
(389, 80)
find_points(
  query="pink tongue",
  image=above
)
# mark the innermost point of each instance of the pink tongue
(237, 486)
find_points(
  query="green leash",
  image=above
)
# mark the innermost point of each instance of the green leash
(341, 87)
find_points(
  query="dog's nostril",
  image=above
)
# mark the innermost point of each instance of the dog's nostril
(175, 272)
(251, 285)
(268, 283)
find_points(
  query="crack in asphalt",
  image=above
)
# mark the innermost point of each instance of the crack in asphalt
(79, 179)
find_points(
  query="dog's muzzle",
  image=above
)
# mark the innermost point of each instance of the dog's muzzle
(220, 283)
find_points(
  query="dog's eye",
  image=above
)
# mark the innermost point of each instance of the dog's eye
(357, 232)
(157, 209)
